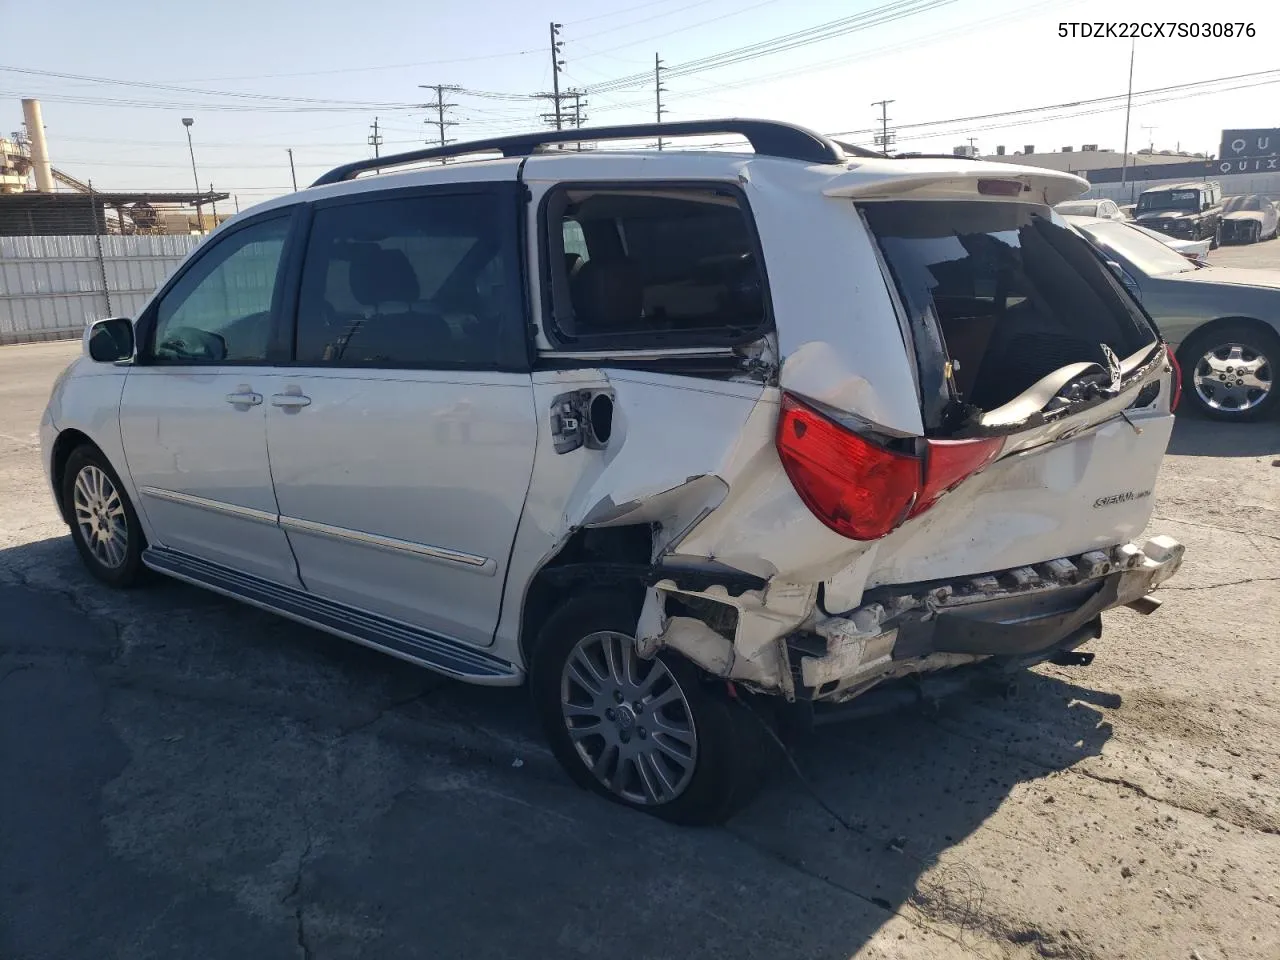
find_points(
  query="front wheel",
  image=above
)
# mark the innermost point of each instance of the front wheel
(104, 525)
(1230, 370)
(656, 735)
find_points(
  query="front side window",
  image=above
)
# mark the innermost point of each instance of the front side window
(406, 282)
(219, 310)
(649, 267)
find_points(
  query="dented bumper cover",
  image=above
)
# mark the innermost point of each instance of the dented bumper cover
(1027, 613)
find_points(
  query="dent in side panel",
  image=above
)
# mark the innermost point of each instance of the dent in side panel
(838, 332)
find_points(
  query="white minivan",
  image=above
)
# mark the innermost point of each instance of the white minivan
(685, 441)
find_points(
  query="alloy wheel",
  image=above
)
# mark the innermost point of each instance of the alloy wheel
(100, 516)
(1233, 377)
(628, 719)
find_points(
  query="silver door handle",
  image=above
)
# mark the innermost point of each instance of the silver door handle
(290, 401)
(244, 398)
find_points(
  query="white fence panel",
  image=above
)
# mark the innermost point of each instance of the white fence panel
(50, 287)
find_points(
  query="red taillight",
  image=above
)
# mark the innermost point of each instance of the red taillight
(1177, 379)
(857, 488)
(948, 462)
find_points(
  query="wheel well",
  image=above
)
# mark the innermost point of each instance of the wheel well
(628, 544)
(1215, 325)
(68, 440)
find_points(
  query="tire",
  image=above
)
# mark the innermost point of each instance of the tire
(104, 525)
(724, 742)
(1254, 346)
(1217, 238)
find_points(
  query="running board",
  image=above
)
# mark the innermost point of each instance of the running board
(442, 654)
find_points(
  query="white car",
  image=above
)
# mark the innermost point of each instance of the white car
(680, 440)
(1197, 250)
(1105, 209)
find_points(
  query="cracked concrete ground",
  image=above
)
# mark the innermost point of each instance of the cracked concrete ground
(183, 776)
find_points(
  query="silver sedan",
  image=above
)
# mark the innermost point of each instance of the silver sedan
(1224, 322)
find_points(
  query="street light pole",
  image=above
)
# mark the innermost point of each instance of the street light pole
(187, 122)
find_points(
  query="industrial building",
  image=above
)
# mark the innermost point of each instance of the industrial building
(38, 199)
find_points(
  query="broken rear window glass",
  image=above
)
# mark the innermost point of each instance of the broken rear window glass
(1015, 293)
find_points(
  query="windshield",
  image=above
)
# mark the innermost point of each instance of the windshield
(1235, 204)
(1169, 200)
(1078, 208)
(1137, 249)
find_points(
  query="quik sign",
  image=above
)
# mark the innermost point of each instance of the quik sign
(1249, 151)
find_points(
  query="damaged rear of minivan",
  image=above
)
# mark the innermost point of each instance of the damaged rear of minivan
(860, 557)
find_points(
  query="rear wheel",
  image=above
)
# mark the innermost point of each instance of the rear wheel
(104, 525)
(1230, 370)
(1217, 238)
(656, 735)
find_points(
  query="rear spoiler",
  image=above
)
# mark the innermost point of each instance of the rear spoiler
(961, 180)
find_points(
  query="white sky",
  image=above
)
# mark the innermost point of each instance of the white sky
(959, 59)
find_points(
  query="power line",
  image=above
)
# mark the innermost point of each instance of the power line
(174, 88)
(886, 13)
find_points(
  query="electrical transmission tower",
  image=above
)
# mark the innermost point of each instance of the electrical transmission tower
(440, 123)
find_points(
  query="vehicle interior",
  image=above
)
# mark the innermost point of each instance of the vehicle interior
(630, 264)
(1017, 296)
(383, 284)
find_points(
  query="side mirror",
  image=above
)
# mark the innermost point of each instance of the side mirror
(1124, 277)
(109, 341)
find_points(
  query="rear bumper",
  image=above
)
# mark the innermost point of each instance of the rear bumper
(1027, 614)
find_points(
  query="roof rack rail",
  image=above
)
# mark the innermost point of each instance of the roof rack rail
(767, 137)
(933, 156)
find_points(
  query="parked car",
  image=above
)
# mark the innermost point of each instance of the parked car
(1106, 209)
(1224, 322)
(683, 441)
(1249, 219)
(1188, 211)
(1128, 210)
(1196, 250)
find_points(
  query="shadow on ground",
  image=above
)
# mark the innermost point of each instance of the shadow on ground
(187, 776)
(1197, 437)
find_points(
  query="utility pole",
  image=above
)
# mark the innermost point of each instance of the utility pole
(440, 122)
(375, 139)
(973, 151)
(1151, 145)
(658, 90)
(556, 64)
(885, 138)
(293, 173)
(214, 204)
(1128, 105)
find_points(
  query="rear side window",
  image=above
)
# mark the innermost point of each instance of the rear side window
(419, 281)
(1016, 295)
(652, 267)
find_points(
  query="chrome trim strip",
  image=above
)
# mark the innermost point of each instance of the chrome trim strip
(470, 561)
(444, 654)
(216, 506)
